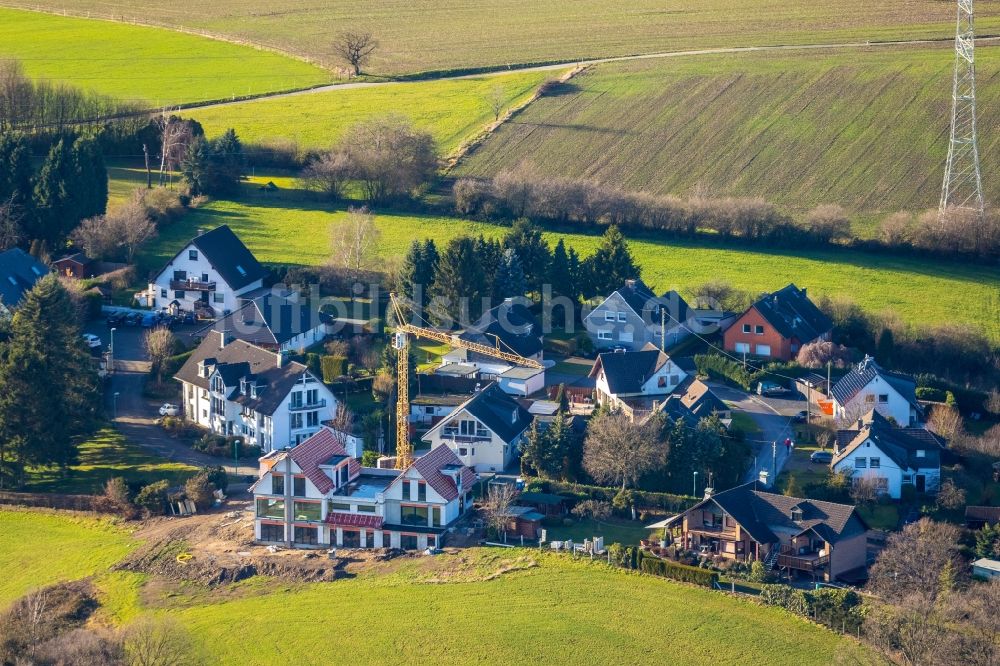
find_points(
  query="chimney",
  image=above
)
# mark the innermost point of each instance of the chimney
(223, 338)
(708, 492)
(630, 284)
(279, 359)
(200, 232)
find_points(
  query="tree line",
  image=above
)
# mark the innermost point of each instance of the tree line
(524, 192)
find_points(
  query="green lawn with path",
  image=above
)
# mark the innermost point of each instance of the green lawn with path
(154, 66)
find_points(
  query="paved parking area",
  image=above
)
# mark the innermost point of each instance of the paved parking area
(128, 339)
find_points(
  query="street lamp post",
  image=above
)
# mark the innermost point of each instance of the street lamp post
(114, 406)
(694, 491)
(111, 352)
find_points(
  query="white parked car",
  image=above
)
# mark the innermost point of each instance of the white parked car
(92, 340)
(169, 410)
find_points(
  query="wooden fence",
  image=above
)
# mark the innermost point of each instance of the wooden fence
(51, 501)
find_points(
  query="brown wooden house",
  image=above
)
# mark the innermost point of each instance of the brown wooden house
(77, 265)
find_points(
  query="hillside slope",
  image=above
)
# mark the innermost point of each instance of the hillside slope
(867, 129)
(419, 35)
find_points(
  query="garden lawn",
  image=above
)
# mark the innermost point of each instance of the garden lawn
(154, 66)
(39, 548)
(420, 35)
(625, 532)
(863, 128)
(296, 230)
(106, 455)
(880, 516)
(452, 111)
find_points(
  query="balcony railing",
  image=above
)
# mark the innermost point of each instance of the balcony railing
(191, 285)
(456, 437)
(713, 530)
(316, 404)
(790, 558)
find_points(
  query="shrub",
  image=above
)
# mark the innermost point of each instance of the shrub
(369, 458)
(315, 364)
(170, 365)
(153, 498)
(930, 394)
(217, 477)
(116, 498)
(199, 489)
(758, 573)
(675, 571)
(785, 597)
(561, 347)
(333, 368)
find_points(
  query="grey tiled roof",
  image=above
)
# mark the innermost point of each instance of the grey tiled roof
(497, 411)
(900, 444)
(229, 256)
(514, 325)
(626, 372)
(19, 272)
(793, 315)
(269, 319)
(863, 373)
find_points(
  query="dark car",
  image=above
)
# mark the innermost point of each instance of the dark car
(115, 319)
(821, 457)
(801, 417)
(132, 319)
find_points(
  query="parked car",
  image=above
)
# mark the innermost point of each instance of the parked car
(801, 417)
(169, 410)
(132, 319)
(92, 340)
(116, 319)
(771, 390)
(821, 457)
(149, 320)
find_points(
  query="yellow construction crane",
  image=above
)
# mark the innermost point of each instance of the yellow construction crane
(401, 343)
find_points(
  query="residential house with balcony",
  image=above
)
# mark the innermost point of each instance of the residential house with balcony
(777, 325)
(633, 316)
(19, 272)
(279, 320)
(890, 456)
(635, 381)
(208, 276)
(317, 496)
(509, 327)
(234, 388)
(822, 540)
(869, 387)
(485, 432)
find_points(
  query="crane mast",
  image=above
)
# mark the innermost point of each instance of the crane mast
(401, 343)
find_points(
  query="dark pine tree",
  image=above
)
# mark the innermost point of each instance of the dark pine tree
(509, 281)
(611, 264)
(15, 170)
(459, 284)
(90, 187)
(53, 200)
(526, 240)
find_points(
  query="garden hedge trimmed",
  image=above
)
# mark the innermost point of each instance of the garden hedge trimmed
(676, 571)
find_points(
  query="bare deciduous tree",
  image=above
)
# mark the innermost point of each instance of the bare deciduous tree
(160, 641)
(355, 48)
(496, 100)
(389, 158)
(496, 507)
(175, 136)
(865, 490)
(828, 222)
(818, 354)
(159, 344)
(945, 421)
(950, 496)
(913, 560)
(327, 174)
(355, 242)
(618, 452)
(342, 426)
(119, 233)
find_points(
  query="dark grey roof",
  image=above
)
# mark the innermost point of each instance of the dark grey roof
(900, 444)
(697, 397)
(761, 514)
(514, 325)
(497, 411)
(270, 319)
(793, 315)
(19, 272)
(229, 256)
(863, 373)
(626, 372)
(238, 360)
(640, 297)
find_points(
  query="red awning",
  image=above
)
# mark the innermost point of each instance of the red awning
(354, 520)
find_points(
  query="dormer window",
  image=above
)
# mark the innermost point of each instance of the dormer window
(243, 386)
(217, 384)
(202, 370)
(796, 514)
(253, 390)
(242, 271)
(921, 453)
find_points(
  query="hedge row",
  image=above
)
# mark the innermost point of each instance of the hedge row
(718, 366)
(676, 571)
(838, 608)
(644, 499)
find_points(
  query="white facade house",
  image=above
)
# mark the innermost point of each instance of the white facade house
(278, 319)
(891, 456)
(209, 275)
(633, 316)
(233, 388)
(316, 495)
(869, 387)
(485, 431)
(621, 377)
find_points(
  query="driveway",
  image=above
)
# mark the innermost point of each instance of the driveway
(773, 417)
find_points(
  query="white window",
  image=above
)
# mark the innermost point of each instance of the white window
(604, 335)
(625, 336)
(860, 463)
(621, 316)
(875, 463)
(193, 255)
(297, 420)
(742, 347)
(763, 350)
(609, 316)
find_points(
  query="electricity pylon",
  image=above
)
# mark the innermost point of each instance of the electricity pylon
(963, 184)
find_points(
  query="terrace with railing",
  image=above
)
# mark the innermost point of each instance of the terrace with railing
(792, 558)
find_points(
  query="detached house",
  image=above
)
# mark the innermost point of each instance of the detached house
(777, 326)
(315, 495)
(509, 327)
(19, 272)
(890, 455)
(232, 387)
(634, 379)
(868, 386)
(823, 540)
(279, 321)
(208, 275)
(633, 316)
(485, 431)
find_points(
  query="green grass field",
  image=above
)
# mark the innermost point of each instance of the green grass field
(867, 129)
(483, 606)
(420, 35)
(291, 229)
(451, 110)
(156, 66)
(39, 548)
(108, 454)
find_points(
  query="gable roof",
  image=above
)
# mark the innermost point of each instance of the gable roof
(792, 314)
(229, 256)
(863, 373)
(269, 319)
(75, 258)
(700, 399)
(432, 465)
(19, 272)
(494, 409)
(513, 324)
(761, 514)
(899, 444)
(639, 297)
(239, 359)
(315, 451)
(626, 372)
